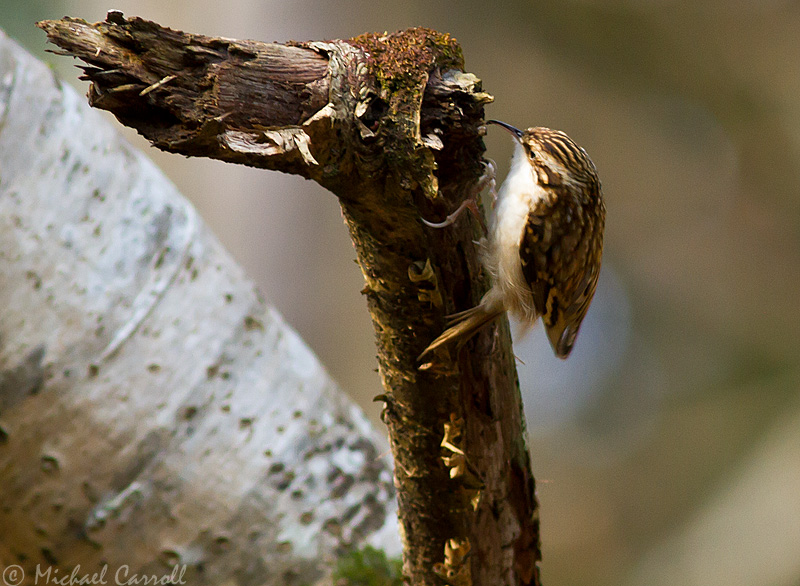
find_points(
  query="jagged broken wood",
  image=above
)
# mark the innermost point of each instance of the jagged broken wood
(391, 124)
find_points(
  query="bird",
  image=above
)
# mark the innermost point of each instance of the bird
(544, 244)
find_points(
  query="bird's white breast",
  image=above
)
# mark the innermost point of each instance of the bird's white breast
(514, 200)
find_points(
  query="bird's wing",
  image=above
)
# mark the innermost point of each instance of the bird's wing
(533, 254)
(560, 252)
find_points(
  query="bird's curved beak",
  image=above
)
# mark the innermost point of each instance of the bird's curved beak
(512, 129)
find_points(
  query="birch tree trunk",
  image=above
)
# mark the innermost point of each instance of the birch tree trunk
(154, 411)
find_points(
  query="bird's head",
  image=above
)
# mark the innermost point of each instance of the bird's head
(555, 158)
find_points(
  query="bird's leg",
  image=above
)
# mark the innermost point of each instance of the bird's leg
(487, 179)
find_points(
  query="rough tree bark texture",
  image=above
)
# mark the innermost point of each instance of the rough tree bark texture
(154, 411)
(391, 125)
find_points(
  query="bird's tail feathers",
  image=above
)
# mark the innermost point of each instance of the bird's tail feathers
(463, 325)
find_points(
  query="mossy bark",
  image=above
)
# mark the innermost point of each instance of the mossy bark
(391, 124)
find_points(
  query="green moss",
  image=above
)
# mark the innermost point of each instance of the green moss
(401, 63)
(368, 567)
(402, 60)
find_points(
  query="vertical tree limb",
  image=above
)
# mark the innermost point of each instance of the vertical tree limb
(391, 124)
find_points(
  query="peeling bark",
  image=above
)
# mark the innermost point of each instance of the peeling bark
(391, 124)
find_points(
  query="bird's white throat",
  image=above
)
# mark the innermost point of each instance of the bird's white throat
(514, 200)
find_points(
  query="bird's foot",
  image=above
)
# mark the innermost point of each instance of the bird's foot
(486, 180)
(470, 203)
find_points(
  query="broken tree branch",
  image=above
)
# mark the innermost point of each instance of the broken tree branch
(391, 124)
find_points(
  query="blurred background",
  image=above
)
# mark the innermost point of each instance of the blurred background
(667, 449)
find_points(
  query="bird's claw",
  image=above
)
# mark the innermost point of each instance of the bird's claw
(489, 179)
(470, 204)
(486, 180)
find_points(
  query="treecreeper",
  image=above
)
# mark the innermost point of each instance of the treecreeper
(544, 244)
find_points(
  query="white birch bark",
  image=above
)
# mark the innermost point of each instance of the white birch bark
(154, 410)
